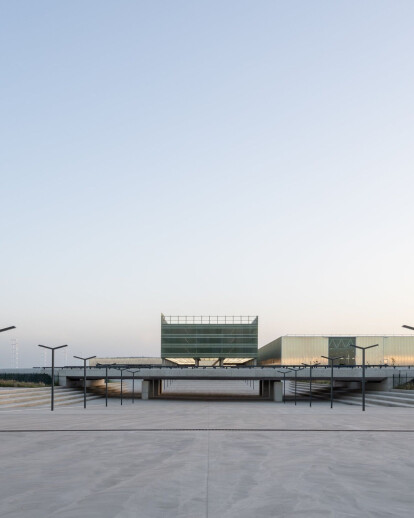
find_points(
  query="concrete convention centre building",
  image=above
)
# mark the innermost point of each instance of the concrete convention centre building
(213, 341)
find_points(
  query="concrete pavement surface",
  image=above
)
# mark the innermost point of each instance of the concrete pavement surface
(196, 459)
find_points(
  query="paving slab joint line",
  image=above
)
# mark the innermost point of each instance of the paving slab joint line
(58, 430)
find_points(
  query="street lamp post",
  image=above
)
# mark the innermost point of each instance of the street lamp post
(53, 349)
(310, 379)
(84, 376)
(106, 379)
(284, 383)
(7, 328)
(133, 385)
(122, 369)
(332, 359)
(295, 370)
(363, 370)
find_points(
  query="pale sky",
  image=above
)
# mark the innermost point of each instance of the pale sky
(210, 157)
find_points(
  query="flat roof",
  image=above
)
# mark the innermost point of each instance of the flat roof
(209, 319)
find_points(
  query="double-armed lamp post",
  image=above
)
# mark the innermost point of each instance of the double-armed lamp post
(310, 365)
(295, 370)
(363, 369)
(53, 349)
(84, 376)
(107, 366)
(7, 328)
(332, 359)
(122, 369)
(133, 384)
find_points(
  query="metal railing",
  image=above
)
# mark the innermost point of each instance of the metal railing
(402, 379)
(237, 366)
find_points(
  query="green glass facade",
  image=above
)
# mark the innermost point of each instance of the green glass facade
(209, 337)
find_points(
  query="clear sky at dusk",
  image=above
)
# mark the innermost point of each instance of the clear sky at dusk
(204, 157)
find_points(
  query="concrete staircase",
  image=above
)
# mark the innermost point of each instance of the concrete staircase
(40, 397)
(380, 399)
(302, 390)
(393, 398)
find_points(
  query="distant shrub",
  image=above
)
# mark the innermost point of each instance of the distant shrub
(20, 384)
(28, 378)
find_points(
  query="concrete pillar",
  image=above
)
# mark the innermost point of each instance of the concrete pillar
(63, 381)
(277, 391)
(145, 390)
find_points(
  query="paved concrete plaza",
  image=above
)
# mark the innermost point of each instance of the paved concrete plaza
(195, 459)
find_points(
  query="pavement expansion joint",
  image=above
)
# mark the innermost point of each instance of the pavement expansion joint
(330, 430)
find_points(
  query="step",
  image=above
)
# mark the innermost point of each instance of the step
(406, 393)
(26, 390)
(90, 398)
(43, 397)
(69, 402)
(380, 398)
(390, 396)
(41, 404)
(375, 402)
(40, 393)
(396, 398)
(306, 390)
(348, 397)
(350, 402)
(40, 400)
